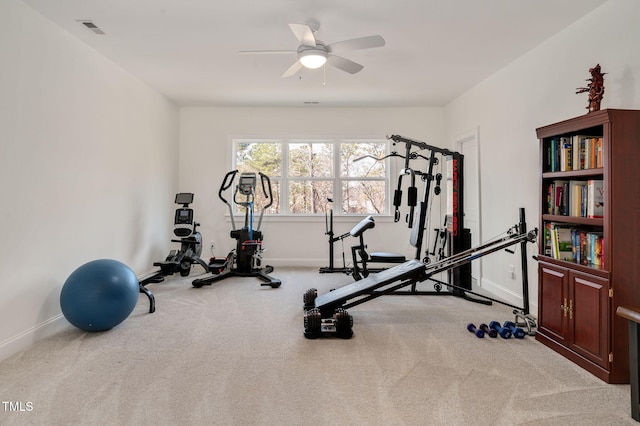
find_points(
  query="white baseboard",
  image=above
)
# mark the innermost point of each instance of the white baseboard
(507, 295)
(299, 263)
(22, 341)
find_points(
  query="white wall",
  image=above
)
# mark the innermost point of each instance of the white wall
(539, 89)
(205, 157)
(88, 169)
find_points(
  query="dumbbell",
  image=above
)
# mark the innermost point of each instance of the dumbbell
(505, 333)
(517, 332)
(490, 331)
(472, 328)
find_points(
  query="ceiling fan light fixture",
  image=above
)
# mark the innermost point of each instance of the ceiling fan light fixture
(313, 58)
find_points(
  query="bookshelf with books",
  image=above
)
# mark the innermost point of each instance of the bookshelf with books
(589, 250)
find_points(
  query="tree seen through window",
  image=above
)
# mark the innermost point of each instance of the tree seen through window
(312, 171)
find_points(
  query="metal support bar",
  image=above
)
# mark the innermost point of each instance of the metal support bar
(473, 253)
(421, 145)
(421, 274)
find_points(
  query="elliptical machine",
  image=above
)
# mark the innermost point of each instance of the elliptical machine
(184, 227)
(246, 259)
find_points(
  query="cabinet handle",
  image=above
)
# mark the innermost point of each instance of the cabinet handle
(564, 308)
(570, 309)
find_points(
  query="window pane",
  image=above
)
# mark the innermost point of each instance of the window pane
(309, 176)
(364, 197)
(310, 159)
(265, 157)
(308, 197)
(353, 162)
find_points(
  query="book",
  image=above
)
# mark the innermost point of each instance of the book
(599, 153)
(577, 189)
(595, 198)
(548, 245)
(574, 244)
(583, 149)
(588, 153)
(549, 198)
(566, 154)
(563, 243)
(561, 197)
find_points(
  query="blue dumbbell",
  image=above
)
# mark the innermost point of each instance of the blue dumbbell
(490, 331)
(517, 332)
(505, 333)
(472, 328)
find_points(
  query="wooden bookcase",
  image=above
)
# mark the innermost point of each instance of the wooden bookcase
(578, 296)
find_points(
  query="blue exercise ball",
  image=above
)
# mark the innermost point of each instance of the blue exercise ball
(99, 295)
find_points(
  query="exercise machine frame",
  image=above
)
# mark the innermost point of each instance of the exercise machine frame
(361, 258)
(180, 260)
(328, 222)
(245, 260)
(456, 238)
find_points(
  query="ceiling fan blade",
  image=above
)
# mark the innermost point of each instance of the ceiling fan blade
(297, 66)
(264, 52)
(304, 34)
(357, 43)
(344, 64)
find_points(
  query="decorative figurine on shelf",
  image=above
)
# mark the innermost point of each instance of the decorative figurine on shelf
(595, 88)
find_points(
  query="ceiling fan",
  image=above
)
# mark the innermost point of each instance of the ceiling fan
(312, 53)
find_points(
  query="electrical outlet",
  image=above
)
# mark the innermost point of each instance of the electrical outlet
(511, 272)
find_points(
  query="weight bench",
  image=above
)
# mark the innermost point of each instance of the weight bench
(359, 252)
(326, 314)
(633, 315)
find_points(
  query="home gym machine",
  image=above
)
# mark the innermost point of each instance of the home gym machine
(245, 260)
(327, 314)
(359, 266)
(180, 260)
(455, 238)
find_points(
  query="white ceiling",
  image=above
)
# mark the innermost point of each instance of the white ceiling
(435, 49)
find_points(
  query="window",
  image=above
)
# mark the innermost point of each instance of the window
(306, 173)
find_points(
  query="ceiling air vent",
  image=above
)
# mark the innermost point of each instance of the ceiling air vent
(93, 27)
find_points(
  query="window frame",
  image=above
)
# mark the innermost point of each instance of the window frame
(336, 179)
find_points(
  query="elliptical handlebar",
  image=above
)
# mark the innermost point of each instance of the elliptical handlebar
(264, 178)
(226, 184)
(269, 196)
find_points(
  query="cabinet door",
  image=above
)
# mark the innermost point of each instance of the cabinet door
(553, 301)
(590, 311)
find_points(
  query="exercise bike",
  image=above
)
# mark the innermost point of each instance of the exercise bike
(190, 241)
(246, 259)
(178, 260)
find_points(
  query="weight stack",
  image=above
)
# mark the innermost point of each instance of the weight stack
(461, 276)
